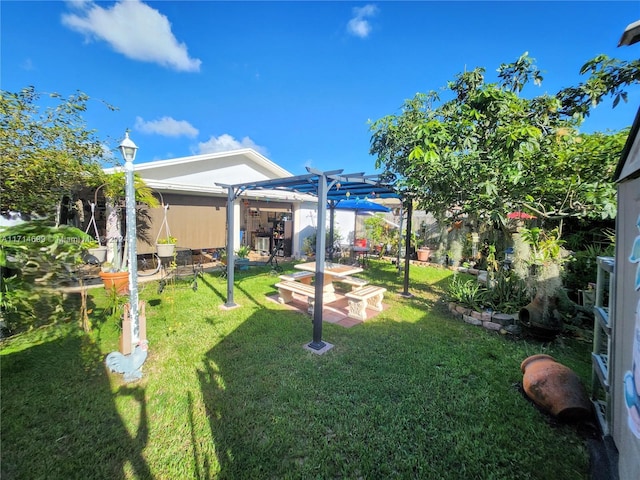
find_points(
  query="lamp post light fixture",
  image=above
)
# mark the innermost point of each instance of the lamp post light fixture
(128, 150)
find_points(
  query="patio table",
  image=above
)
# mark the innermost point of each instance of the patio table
(332, 272)
(360, 254)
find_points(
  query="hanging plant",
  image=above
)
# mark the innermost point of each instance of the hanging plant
(166, 245)
(170, 240)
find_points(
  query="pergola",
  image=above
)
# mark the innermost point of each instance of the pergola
(329, 188)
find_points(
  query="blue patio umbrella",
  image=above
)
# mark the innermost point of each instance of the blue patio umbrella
(356, 205)
(359, 205)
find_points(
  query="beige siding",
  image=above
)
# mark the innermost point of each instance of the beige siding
(197, 222)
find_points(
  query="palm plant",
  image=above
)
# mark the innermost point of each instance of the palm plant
(114, 193)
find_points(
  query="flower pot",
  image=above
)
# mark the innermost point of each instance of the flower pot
(100, 253)
(165, 249)
(555, 388)
(424, 254)
(117, 280)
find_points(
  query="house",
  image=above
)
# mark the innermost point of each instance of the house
(194, 190)
(196, 213)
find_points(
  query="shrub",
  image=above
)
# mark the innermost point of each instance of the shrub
(582, 268)
(508, 294)
(36, 259)
(468, 293)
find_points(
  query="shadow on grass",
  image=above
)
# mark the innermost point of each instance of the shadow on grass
(205, 279)
(65, 379)
(391, 400)
(411, 394)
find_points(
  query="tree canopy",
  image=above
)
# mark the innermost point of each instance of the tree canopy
(483, 149)
(45, 153)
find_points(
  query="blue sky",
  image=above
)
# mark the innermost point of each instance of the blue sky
(297, 81)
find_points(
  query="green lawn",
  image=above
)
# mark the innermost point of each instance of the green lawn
(412, 393)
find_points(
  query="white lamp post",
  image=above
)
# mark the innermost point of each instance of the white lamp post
(128, 150)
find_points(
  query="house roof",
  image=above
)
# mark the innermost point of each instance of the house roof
(198, 173)
(629, 164)
(631, 34)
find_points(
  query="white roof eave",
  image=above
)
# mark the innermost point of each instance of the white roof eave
(249, 152)
(284, 196)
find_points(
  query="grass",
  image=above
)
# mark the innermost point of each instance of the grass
(231, 394)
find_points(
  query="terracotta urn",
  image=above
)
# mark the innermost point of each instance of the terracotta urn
(555, 388)
(424, 253)
(543, 323)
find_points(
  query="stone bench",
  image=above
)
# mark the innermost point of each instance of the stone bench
(286, 289)
(364, 297)
(303, 277)
(355, 282)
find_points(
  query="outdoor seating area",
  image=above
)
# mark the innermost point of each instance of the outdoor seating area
(363, 298)
(360, 303)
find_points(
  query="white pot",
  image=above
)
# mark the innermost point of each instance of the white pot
(99, 252)
(165, 249)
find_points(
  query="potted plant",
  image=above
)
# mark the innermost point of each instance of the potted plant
(166, 246)
(424, 253)
(115, 272)
(114, 278)
(425, 249)
(243, 254)
(93, 248)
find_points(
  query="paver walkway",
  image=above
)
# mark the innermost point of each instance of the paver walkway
(335, 312)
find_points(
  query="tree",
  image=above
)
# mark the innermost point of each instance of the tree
(577, 181)
(487, 150)
(607, 77)
(35, 260)
(45, 154)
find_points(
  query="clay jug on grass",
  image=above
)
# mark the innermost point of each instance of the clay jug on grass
(556, 388)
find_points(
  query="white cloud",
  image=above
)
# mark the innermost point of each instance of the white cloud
(133, 29)
(226, 142)
(359, 25)
(167, 126)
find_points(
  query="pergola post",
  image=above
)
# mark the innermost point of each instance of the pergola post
(317, 343)
(400, 237)
(230, 257)
(332, 211)
(407, 251)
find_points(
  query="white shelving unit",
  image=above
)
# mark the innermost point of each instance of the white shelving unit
(602, 341)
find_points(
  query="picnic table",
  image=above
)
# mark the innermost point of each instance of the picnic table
(332, 272)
